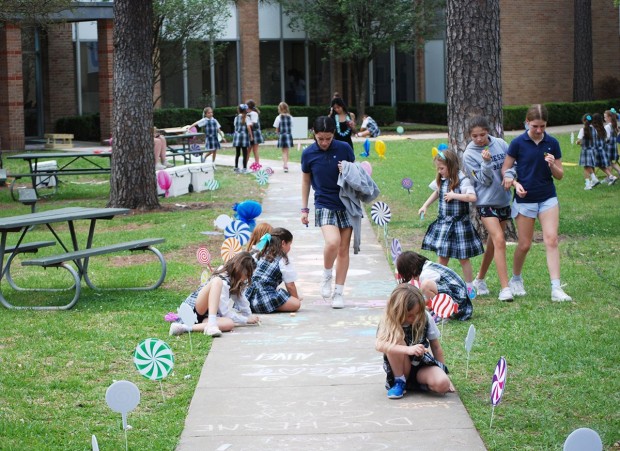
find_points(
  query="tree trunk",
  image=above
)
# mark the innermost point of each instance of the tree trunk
(474, 83)
(583, 79)
(132, 181)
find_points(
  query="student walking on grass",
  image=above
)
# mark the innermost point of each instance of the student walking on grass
(409, 340)
(483, 160)
(284, 128)
(452, 234)
(320, 166)
(539, 161)
(212, 300)
(592, 138)
(612, 129)
(273, 268)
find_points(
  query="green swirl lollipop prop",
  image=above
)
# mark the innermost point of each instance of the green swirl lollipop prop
(154, 360)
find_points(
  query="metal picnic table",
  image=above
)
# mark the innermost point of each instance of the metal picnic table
(73, 251)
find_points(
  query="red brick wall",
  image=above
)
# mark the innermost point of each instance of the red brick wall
(537, 49)
(60, 92)
(11, 89)
(106, 71)
(247, 11)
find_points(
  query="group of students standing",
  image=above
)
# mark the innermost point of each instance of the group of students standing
(599, 147)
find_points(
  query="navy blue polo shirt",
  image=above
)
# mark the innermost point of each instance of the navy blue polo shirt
(532, 170)
(322, 165)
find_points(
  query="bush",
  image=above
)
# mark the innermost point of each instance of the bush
(425, 113)
(383, 115)
(83, 128)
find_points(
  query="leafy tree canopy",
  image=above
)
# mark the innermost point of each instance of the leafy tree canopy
(31, 11)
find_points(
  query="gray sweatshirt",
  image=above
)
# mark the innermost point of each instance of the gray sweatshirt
(486, 176)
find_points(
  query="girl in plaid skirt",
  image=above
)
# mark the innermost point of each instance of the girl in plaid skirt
(592, 139)
(611, 127)
(284, 128)
(241, 137)
(452, 233)
(256, 136)
(212, 131)
(433, 279)
(273, 268)
(409, 340)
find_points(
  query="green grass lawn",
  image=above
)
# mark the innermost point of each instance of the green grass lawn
(562, 358)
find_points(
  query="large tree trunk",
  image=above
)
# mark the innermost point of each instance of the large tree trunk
(133, 182)
(583, 83)
(474, 83)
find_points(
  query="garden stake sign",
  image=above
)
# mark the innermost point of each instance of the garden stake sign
(123, 397)
(154, 360)
(469, 342)
(189, 318)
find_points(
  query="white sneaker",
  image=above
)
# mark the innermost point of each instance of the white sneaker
(588, 186)
(159, 167)
(612, 179)
(168, 164)
(177, 329)
(517, 288)
(213, 331)
(326, 286)
(481, 287)
(505, 295)
(595, 181)
(558, 295)
(337, 301)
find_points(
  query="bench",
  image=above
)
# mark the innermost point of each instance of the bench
(58, 140)
(187, 155)
(80, 258)
(53, 174)
(23, 248)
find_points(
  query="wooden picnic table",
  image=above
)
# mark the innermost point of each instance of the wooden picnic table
(74, 252)
(66, 166)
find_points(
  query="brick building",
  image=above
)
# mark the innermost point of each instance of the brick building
(68, 70)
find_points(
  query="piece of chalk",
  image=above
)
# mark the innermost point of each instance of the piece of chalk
(292, 313)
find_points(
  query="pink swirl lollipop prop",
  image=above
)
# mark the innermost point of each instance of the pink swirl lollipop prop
(204, 256)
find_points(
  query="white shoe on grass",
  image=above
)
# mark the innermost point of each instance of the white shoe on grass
(213, 331)
(558, 295)
(517, 287)
(481, 287)
(505, 295)
(177, 329)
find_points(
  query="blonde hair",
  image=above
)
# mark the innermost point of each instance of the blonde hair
(283, 108)
(452, 162)
(207, 108)
(258, 233)
(404, 298)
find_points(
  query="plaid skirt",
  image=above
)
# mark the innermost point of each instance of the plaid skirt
(416, 364)
(241, 139)
(612, 150)
(285, 140)
(264, 300)
(258, 136)
(338, 218)
(212, 142)
(453, 237)
(594, 156)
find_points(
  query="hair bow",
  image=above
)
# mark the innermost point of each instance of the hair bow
(588, 117)
(243, 106)
(613, 110)
(265, 239)
(441, 155)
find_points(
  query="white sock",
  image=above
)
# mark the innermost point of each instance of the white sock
(338, 289)
(516, 278)
(555, 283)
(470, 285)
(402, 378)
(327, 272)
(212, 320)
(593, 177)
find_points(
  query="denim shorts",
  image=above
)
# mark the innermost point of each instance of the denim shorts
(338, 218)
(532, 210)
(501, 213)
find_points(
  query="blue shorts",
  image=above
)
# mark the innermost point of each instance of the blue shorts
(338, 218)
(532, 210)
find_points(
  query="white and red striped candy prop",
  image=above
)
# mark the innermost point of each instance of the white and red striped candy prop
(498, 384)
(204, 256)
(443, 305)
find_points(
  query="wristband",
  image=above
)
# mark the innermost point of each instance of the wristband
(305, 210)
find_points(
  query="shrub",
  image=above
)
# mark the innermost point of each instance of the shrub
(425, 113)
(83, 128)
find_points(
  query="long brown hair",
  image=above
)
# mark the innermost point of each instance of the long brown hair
(404, 298)
(452, 162)
(273, 249)
(599, 125)
(242, 264)
(614, 122)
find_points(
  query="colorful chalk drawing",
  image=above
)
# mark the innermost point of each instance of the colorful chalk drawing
(282, 372)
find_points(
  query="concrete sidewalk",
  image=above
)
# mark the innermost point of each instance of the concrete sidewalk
(313, 380)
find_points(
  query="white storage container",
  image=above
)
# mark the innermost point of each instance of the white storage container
(300, 127)
(46, 181)
(181, 179)
(201, 174)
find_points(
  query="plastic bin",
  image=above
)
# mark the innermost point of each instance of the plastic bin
(181, 179)
(200, 174)
(46, 181)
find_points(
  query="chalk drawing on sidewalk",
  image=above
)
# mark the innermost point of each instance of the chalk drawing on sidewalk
(271, 373)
